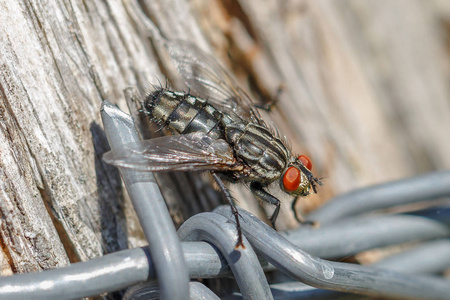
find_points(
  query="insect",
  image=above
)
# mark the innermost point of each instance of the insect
(217, 129)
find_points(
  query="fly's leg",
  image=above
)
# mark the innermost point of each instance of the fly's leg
(259, 192)
(271, 104)
(267, 106)
(234, 210)
(298, 217)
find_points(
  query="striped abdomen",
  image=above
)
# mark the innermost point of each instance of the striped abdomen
(184, 113)
(264, 153)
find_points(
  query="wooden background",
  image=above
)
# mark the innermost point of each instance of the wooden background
(366, 96)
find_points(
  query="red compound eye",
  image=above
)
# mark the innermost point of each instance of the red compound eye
(291, 179)
(305, 161)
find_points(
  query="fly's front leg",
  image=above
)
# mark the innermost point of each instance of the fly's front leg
(298, 217)
(234, 210)
(259, 192)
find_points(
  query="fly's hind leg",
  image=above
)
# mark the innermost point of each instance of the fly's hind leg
(234, 210)
(268, 106)
(258, 191)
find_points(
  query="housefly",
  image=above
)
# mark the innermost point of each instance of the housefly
(217, 129)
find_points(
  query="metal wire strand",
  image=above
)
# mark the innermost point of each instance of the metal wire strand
(432, 257)
(333, 275)
(150, 290)
(298, 290)
(217, 230)
(150, 208)
(353, 235)
(111, 272)
(121, 269)
(426, 187)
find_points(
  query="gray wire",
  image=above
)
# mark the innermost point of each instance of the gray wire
(334, 275)
(121, 269)
(431, 257)
(204, 260)
(357, 234)
(216, 229)
(426, 187)
(108, 273)
(201, 292)
(150, 290)
(150, 208)
(297, 290)
(111, 272)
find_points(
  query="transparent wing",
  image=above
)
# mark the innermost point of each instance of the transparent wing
(205, 77)
(189, 152)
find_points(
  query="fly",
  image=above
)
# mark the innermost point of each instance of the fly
(218, 129)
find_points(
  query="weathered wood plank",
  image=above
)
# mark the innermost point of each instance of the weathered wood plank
(366, 96)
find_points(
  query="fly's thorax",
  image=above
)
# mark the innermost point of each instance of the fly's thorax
(183, 113)
(265, 155)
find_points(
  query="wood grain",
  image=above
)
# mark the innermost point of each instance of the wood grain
(366, 96)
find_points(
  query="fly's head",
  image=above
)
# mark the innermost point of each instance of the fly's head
(298, 180)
